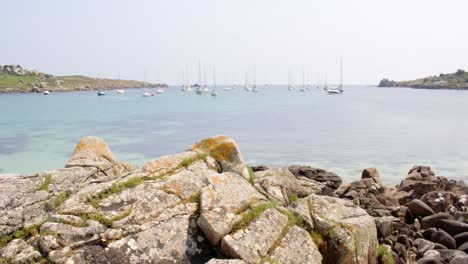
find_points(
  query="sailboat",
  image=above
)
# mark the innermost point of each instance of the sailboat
(214, 92)
(246, 84)
(325, 87)
(290, 85)
(120, 91)
(339, 89)
(303, 81)
(46, 92)
(146, 93)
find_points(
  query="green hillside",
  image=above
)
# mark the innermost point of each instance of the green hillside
(14, 79)
(456, 80)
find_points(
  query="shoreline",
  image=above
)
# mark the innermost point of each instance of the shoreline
(207, 204)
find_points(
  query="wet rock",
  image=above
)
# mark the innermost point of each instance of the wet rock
(373, 174)
(259, 168)
(330, 179)
(453, 227)
(419, 208)
(461, 216)
(461, 238)
(296, 247)
(459, 260)
(433, 220)
(448, 255)
(440, 236)
(422, 245)
(253, 242)
(464, 247)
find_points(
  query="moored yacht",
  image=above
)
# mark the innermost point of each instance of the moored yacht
(46, 92)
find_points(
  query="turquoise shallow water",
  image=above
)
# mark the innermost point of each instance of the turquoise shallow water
(391, 129)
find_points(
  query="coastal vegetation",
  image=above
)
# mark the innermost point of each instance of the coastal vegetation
(15, 79)
(457, 80)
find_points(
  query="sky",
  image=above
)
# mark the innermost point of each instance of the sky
(397, 39)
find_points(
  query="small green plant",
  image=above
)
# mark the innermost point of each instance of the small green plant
(202, 156)
(384, 254)
(21, 233)
(187, 162)
(59, 199)
(317, 238)
(294, 219)
(251, 175)
(293, 197)
(251, 214)
(45, 184)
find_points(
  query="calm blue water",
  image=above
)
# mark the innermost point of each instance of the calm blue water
(391, 129)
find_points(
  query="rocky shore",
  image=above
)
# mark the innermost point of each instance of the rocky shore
(15, 79)
(206, 205)
(451, 81)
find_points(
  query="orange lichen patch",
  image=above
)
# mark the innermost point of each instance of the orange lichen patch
(222, 148)
(174, 186)
(216, 180)
(167, 163)
(210, 192)
(96, 145)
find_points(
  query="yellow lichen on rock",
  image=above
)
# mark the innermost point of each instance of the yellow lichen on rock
(96, 145)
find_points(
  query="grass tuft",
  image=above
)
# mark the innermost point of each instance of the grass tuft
(45, 185)
(251, 175)
(202, 156)
(62, 197)
(21, 233)
(294, 219)
(384, 254)
(251, 214)
(187, 162)
(293, 197)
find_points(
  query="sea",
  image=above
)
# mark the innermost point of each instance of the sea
(391, 129)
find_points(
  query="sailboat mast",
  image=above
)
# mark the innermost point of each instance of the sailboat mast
(255, 76)
(341, 72)
(303, 77)
(214, 78)
(199, 73)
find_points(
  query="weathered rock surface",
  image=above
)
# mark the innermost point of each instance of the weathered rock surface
(330, 179)
(350, 232)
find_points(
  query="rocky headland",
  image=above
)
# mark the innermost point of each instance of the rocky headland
(206, 205)
(15, 79)
(451, 81)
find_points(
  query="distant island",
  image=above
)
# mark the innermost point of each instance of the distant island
(15, 79)
(453, 81)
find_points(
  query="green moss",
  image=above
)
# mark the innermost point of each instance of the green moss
(45, 184)
(106, 221)
(187, 162)
(62, 197)
(293, 197)
(202, 156)
(252, 213)
(21, 233)
(385, 255)
(295, 219)
(115, 188)
(251, 175)
(268, 260)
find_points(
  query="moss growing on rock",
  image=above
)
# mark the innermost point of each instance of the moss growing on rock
(252, 213)
(45, 184)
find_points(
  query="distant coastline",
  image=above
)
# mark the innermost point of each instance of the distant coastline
(14, 79)
(451, 81)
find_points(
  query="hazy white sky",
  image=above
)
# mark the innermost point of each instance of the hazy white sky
(398, 39)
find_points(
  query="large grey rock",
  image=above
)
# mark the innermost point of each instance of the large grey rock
(281, 185)
(350, 232)
(172, 241)
(221, 201)
(440, 236)
(297, 247)
(18, 251)
(254, 242)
